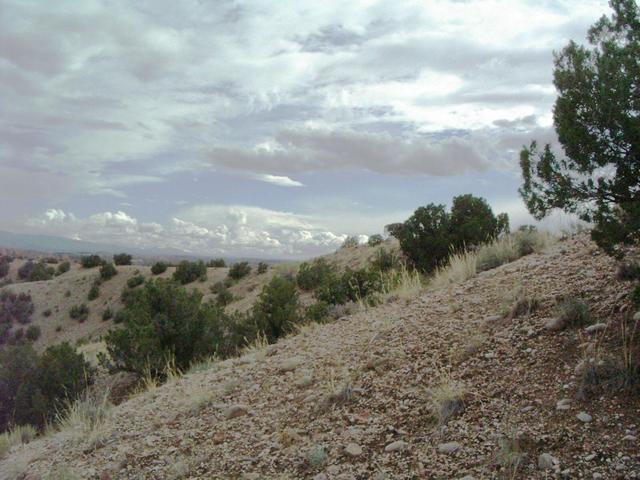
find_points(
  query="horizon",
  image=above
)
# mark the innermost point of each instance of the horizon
(269, 131)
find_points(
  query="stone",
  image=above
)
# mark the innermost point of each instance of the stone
(304, 382)
(353, 449)
(290, 365)
(547, 461)
(596, 327)
(320, 476)
(554, 324)
(492, 318)
(584, 417)
(235, 411)
(564, 404)
(449, 447)
(636, 316)
(396, 446)
(629, 438)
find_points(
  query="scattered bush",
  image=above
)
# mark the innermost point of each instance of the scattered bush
(277, 309)
(33, 333)
(5, 264)
(158, 268)
(91, 261)
(352, 285)
(107, 314)
(108, 271)
(120, 316)
(317, 312)
(51, 260)
(311, 275)
(429, 236)
(67, 294)
(224, 297)
(447, 400)
(63, 267)
(628, 271)
(385, 260)
(94, 292)
(35, 272)
(33, 388)
(262, 268)
(375, 240)
(239, 270)
(135, 281)
(187, 272)
(14, 308)
(122, 259)
(350, 242)
(573, 312)
(217, 263)
(217, 287)
(79, 312)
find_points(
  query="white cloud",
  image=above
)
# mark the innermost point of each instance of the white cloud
(279, 180)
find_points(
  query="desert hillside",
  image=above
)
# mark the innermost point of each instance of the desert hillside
(457, 382)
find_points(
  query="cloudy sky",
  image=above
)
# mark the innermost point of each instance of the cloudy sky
(265, 128)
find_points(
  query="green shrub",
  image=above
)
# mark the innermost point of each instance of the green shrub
(573, 312)
(311, 275)
(635, 296)
(94, 292)
(385, 260)
(5, 264)
(217, 287)
(431, 234)
(628, 271)
(262, 268)
(350, 242)
(63, 267)
(91, 261)
(122, 259)
(120, 316)
(107, 271)
(276, 311)
(164, 322)
(35, 272)
(239, 270)
(351, 286)
(107, 314)
(34, 388)
(135, 281)
(217, 263)
(375, 240)
(224, 297)
(187, 272)
(158, 268)
(79, 312)
(33, 333)
(317, 312)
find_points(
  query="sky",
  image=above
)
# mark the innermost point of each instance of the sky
(268, 129)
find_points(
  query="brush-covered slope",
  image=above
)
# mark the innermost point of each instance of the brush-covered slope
(354, 399)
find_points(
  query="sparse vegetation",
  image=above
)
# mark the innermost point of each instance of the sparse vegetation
(135, 281)
(262, 268)
(79, 312)
(94, 291)
(573, 312)
(277, 309)
(35, 272)
(5, 264)
(91, 261)
(317, 312)
(187, 272)
(447, 400)
(239, 270)
(375, 240)
(311, 275)
(158, 268)
(217, 263)
(122, 259)
(224, 297)
(628, 271)
(107, 314)
(108, 271)
(385, 260)
(350, 242)
(63, 267)
(32, 333)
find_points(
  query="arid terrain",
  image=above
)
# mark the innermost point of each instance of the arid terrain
(359, 397)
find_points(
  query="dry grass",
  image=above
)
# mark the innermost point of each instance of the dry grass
(447, 400)
(18, 435)
(402, 283)
(87, 420)
(461, 267)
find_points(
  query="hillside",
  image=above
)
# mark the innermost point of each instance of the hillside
(352, 399)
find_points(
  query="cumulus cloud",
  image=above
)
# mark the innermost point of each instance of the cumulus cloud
(279, 180)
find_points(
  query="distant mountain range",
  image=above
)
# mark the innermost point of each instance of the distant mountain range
(51, 244)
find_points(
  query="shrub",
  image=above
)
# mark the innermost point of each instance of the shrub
(239, 270)
(317, 312)
(164, 322)
(158, 268)
(122, 259)
(351, 286)
(628, 271)
(573, 312)
(94, 292)
(217, 263)
(429, 236)
(32, 333)
(375, 240)
(107, 314)
(311, 276)
(385, 260)
(5, 264)
(262, 268)
(277, 309)
(35, 387)
(120, 316)
(47, 312)
(187, 272)
(79, 312)
(217, 287)
(350, 242)
(35, 272)
(635, 296)
(135, 281)
(51, 260)
(63, 267)
(108, 271)
(15, 308)
(224, 297)
(91, 261)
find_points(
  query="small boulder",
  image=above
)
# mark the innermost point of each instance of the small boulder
(449, 447)
(353, 450)
(554, 324)
(564, 404)
(547, 461)
(596, 327)
(396, 446)
(235, 411)
(584, 417)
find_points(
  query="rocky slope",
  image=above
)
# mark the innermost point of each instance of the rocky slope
(353, 399)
